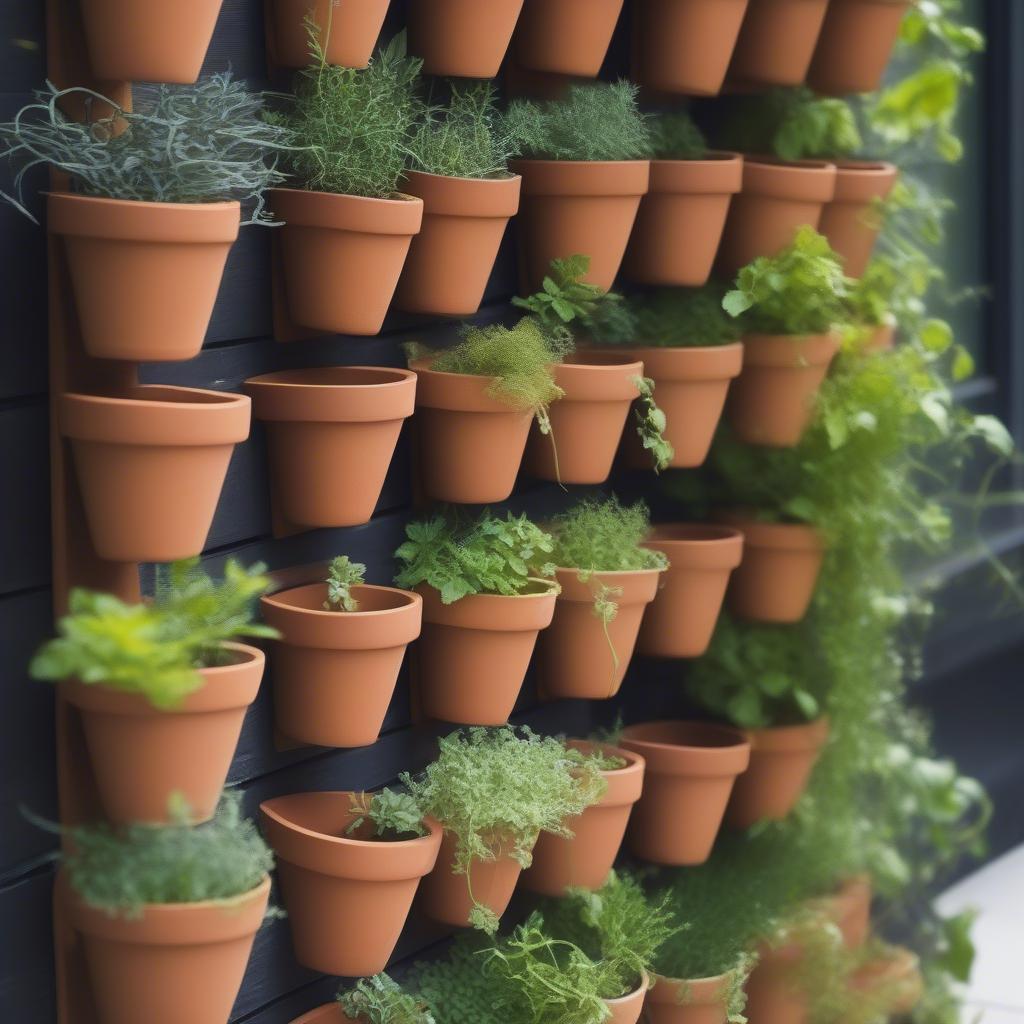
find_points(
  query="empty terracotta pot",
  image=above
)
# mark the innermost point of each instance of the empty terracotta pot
(468, 445)
(851, 222)
(473, 654)
(690, 771)
(342, 256)
(587, 422)
(694, 1001)
(145, 275)
(772, 401)
(335, 671)
(331, 433)
(150, 466)
(577, 207)
(462, 38)
(626, 1009)
(680, 621)
(677, 231)
(781, 760)
(777, 198)
(148, 42)
(347, 897)
(684, 46)
(855, 44)
(774, 992)
(348, 30)
(567, 37)
(579, 656)
(850, 908)
(585, 860)
(173, 962)
(893, 979)
(777, 41)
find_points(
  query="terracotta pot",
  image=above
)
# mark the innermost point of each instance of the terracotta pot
(850, 908)
(781, 760)
(462, 38)
(326, 1013)
(473, 654)
(772, 401)
(777, 198)
(776, 579)
(574, 207)
(626, 1009)
(354, 27)
(773, 989)
(851, 222)
(696, 1001)
(347, 898)
(587, 422)
(585, 860)
(777, 41)
(894, 978)
(148, 42)
(682, 618)
(566, 37)
(150, 466)
(691, 769)
(855, 44)
(469, 445)
(145, 275)
(684, 46)
(681, 219)
(577, 657)
(335, 672)
(173, 962)
(342, 256)
(880, 339)
(331, 433)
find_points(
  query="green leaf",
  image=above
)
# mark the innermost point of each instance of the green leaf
(994, 433)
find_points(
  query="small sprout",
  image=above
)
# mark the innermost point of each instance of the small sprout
(344, 575)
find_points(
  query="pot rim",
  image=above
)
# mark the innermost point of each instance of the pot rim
(645, 984)
(397, 214)
(64, 196)
(788, 739)
(433, 827)
(411, 599)
(736, 737)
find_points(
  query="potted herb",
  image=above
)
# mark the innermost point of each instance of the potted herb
(342, 643)
(153, 206)
(566, 37)
(484, 602)
(346, 31)
(331, 434)
(777, 41)
(462, 38)
(349, 865)
(888, 979)
(381, 1000)
(584, 171)
(872, 299)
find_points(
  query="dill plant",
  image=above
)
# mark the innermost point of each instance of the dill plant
(675, 136)
(381, 1000)
(344, 574)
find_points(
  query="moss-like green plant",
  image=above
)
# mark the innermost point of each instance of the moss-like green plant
(344, 574)
(604, 536)
(393, 815)
(455, 987)
(675, 136)
(381, 1000)
(685, 318)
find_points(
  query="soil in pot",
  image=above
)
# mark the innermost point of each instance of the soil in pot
(334, 672)
(694, 1001)
(566, 37)
(773, 989)
(690, 772)
(851, 221)
(347, 896)
(777, 41)
(626, 1009)
(462, 38)
(348, 30)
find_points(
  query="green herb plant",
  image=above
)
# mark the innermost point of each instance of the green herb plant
(650, 425)
(344, 574)
(392, 815)
(675, 136)
(381, 1000)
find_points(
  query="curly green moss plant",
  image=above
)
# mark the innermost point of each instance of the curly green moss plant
(681, 318)
(454, 987)
(381, 1000)
(675, 136)
(393, 815)
(343, 575)
(604, 536)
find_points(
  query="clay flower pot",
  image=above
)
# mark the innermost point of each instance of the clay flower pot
(675, 239)
(347, 897)
(331, 433)
(855, 44)
(148, 42)
(691, 768)
(335, 671)
(626, 1009)
(774, 992)
(695, 1001)
(777, 41)
(579, 656)
(684, 46)
(342, 256)
(451, 259)
(880, 339)
(150, 466)
(585, 860)
(777, 198)
(851, 221)
(776, 579)
(781, 760)
(354, 28)
(462, 38)
(894, 977)
(587, 422)
(850, 908)
(173, 962)
(566, 37)
(145, 275)
(326, 1013)
(468, 445)
(473, 654)
(682, 617)
(772, 401)
(577, 207)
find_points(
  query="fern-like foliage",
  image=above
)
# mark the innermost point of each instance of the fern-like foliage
(344, 574)
(381, 1000)
(676, 136)
(604, 536)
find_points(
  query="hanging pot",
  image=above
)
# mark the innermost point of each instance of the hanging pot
(462, 38)
(566, 37)
(850, 908)
(347, 897)
(151, 465)
(342, 256)
(335, 671)
(145, 275)
(681, 219)
(774, 991)
(354, 27)
(851, 222)
(694, 1001)
(626, 1009)
(331, 433)
(777, 41)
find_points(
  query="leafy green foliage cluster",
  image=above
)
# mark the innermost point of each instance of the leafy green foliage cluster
(344, 574)
(604, 536)
(381, 1000)
(650, 425)
(680, 318)
(675, 136)
(392, 814)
